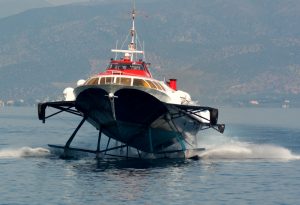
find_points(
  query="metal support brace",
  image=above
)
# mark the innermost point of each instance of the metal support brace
(67, 146)
(107, 146)
(127, 151)
(181, 143)
(98, 143)
(138, 153)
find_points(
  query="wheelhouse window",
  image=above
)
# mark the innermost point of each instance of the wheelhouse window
(113, 66)
(137, 67)
(119, 66)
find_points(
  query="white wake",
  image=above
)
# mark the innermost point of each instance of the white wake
(24, 152)
(233, 149)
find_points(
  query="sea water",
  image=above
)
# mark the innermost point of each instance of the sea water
(256, 161)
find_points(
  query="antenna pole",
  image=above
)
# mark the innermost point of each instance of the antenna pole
(144, 56)
(132, 46)
(116, 55)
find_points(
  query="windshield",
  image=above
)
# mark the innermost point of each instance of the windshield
(126, 66)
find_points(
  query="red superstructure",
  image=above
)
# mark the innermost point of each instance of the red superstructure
(127, 67)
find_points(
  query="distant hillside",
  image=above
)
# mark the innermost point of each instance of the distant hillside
(11, 7)
(221, 52)
(62, 2)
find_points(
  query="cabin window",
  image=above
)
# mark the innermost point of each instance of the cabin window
(93, 81)
(109, 80)
(102, 81)
(140, 82)
(123, 81)
(151, 84)
(126, 81)
(118, 80)
(159, 85)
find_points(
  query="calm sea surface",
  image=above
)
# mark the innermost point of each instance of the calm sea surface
(256, 161)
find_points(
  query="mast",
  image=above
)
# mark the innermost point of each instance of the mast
(132, 47)
(132, 31)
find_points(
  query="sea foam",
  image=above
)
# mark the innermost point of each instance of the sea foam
(24, 152)
(227, 148)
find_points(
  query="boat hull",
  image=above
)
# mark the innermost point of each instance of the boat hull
(136, 118)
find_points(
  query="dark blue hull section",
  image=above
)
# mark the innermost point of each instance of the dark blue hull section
(135, 118)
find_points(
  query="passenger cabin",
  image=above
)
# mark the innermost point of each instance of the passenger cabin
(126, 73)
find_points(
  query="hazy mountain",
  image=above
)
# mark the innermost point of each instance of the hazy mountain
(11, 7)
(221, 51)
(62, 2)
